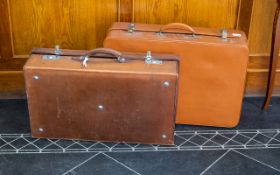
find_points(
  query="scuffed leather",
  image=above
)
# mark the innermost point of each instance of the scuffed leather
(137, 107)
(212, 70)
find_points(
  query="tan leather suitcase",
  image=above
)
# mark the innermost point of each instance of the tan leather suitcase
(116, 97)
(213, 65)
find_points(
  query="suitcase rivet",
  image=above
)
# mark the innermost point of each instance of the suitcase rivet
(163, 136)
(41, 130)
(100, 107)
(166, 84)
(36, 77)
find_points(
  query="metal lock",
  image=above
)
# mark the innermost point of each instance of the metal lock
(55, 56)
(224, 34)
(131, 28)
(149, 59)
(57, 50)
(41, 130)
(121, 59)
(163, 136)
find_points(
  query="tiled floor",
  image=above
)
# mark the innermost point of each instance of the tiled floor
(251, 148)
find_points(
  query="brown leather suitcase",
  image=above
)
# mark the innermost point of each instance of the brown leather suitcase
(127, 97)
(213, 66)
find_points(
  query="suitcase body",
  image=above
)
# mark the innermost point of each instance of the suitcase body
(130, 102)
(213, 65)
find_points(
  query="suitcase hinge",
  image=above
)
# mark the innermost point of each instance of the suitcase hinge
(149, 59)
(55, 56)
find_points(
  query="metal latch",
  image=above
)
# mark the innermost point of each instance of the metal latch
(149, 59)
(224, 34)
(55, 56)
(131, 28)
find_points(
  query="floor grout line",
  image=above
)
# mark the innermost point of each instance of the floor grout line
(271, 138)
(249, 157)
(210, 139)
(232, 138)
(217, 160)
(121, 164)
(186, 140)
(80, 164)
(251, 138)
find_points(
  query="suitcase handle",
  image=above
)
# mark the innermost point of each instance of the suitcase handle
(103, 52)
(177, 26)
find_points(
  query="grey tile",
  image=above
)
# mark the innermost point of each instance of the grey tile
(236, 164)
(255, 143)
(29, 164)
(65, 143)
(7, 148)
(144, 147)
(101, 165)
(29, 148)
(19, 143)
(185, 136)
(268, 156)
(167, 163)
(189, 144)
(98, 147)
(274, 142)
(241, 139)
(14, 116)
(178, 141)
(87, 144)
(122, 147)
(41, 143)
(219, 139)
(198, 140)
(278, 136)
(262, 139)
(76, 146)
(52, 148)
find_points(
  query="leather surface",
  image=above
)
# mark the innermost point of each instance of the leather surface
(275, 45)
(137, 108)
(212, 70)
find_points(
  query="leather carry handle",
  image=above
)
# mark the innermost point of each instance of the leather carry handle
(177, 26)
(273, 58)
(103, 52)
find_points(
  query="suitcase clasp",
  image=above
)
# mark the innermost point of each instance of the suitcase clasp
(131, 28)
(149, 59)
(224, 34)
(55, 56)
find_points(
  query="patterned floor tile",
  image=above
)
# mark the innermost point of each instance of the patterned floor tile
(268, 156)
(232, 139)
(233, 163)
(166, 163)
(101, 164)
(43, 164)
